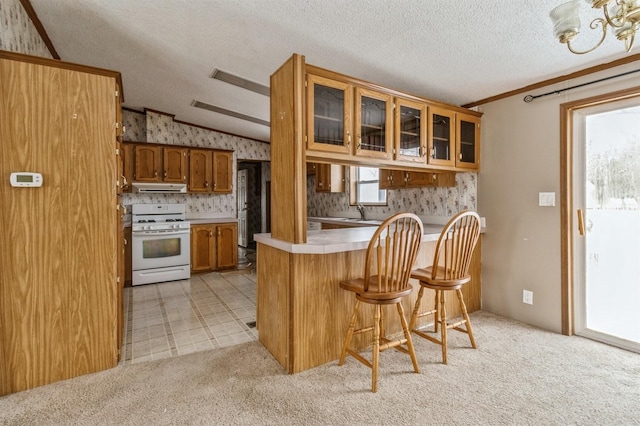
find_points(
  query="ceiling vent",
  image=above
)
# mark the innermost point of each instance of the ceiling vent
(230, 113)
(239, 81)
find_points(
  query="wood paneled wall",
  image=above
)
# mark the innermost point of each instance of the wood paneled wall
(288, 171)
(58, 263)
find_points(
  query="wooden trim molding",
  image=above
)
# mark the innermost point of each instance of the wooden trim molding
(26, 4)
(567, 227)
(586, 71)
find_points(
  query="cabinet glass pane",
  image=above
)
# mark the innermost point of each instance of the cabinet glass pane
(468, 142)
(373, 124)
(328, 121)
(410, 131)
(441, 135)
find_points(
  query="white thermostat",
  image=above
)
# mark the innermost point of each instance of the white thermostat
(26, 179)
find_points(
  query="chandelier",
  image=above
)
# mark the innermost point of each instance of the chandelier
(623, 16)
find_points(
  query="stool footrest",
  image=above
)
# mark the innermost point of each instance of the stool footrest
(360, 358)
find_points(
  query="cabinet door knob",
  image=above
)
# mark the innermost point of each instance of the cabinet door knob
(155, 173)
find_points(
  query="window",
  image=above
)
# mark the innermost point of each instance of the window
(365, 186)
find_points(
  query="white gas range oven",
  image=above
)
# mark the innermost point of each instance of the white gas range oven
(160, 243)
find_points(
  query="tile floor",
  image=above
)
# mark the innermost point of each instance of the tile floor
(208, 311)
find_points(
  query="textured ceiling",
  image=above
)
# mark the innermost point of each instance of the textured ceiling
(454, 51)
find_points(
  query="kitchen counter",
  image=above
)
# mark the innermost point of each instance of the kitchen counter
(303, 314)
(348, 221)
(337, 240)
(199, 221)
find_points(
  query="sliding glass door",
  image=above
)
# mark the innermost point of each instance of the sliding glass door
(607, 246)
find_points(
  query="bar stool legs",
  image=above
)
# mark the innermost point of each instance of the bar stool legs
(440, 320)
(379, 341)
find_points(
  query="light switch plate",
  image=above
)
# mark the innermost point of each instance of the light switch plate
(547, 199)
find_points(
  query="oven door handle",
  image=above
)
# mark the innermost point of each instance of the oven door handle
(160, 233)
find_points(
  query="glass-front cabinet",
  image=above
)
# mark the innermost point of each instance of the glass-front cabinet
(374, 118)
(410, 131)
(441, 137)
(468, 142)
(351, 120)
(328, 114)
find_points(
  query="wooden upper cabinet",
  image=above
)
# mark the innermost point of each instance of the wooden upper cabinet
(329, 178)
(148, 162)
(311, 168)
(394, 179)
(391, 179)
(355, 122)
(200, 170)
(126, 155)
(222, 171)
(174, 164)
(441, 137)
(329, 106)
(468, 142)
(203, 170)
(410, 128)
(374, 124)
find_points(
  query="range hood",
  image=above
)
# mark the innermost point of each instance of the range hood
(163, 188)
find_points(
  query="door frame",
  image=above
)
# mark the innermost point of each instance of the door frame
(568, 219)
(243, 231)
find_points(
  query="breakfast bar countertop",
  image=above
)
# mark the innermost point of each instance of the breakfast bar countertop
(337, 240)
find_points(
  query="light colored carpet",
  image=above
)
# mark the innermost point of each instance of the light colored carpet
(518, 375)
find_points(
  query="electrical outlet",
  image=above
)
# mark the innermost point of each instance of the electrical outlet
(527, 297)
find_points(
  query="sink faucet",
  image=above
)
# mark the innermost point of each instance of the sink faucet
(361, 210)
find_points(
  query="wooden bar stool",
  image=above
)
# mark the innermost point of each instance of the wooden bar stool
(390, 256)
(450, 271)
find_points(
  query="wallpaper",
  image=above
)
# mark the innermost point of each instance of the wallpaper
(420, 201)
(17, 32)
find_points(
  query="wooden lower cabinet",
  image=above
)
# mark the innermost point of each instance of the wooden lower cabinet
(214, 246)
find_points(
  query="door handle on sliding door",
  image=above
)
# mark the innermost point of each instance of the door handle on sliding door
(581, 222)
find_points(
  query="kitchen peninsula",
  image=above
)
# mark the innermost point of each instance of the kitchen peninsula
(302, 314)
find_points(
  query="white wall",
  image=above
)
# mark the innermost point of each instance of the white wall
(521, 157)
